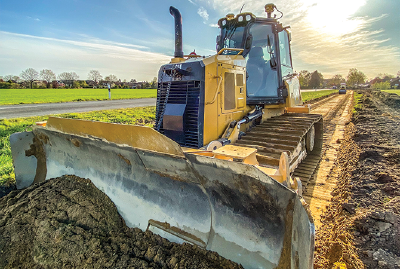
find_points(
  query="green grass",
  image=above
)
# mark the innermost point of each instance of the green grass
(357, 105)
(393, 91)
(35, 96)
(307, 96)
(141, 116)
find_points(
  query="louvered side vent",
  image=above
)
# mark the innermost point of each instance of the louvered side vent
(182, 92)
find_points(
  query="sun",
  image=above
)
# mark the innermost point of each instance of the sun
(334, 17)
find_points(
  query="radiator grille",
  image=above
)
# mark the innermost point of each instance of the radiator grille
(182, 92)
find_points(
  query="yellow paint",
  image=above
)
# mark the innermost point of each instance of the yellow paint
(235, 151)
(299, 109)
(294, 97)
(216, 117)
(339, 265)
(177, 60)
(140, 137)
(272, 111)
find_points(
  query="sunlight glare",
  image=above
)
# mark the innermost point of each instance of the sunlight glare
(333, 17)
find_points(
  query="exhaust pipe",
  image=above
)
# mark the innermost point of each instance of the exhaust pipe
(178, 31)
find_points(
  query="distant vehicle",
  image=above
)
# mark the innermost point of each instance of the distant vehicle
(342, 89)
(334, 87)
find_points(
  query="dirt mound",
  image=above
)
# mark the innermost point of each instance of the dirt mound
(390, 99)
(68, 223)
(375, 182)
(334, 245)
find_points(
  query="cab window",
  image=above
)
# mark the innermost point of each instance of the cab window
(286, 64)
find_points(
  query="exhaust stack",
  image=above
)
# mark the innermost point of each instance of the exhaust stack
(178, 31)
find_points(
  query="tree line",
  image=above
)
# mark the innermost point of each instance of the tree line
(31, 77)
(308, 80)
(355, 78)
(316, 79)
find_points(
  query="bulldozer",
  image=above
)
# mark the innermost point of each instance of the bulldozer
(224, 165)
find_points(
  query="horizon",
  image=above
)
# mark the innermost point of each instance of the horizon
(132, 39)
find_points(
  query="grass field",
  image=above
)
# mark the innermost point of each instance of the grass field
(392, 91)
(306, 96)
(141, 116)
(35, 96)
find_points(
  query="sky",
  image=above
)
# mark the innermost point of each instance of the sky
(132, 39)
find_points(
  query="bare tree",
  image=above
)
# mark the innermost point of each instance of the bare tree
(111, 78)
(30, 75)
(68, 78)
(74, 76)
(8, 78)
(398, 73)
(94, 75)
(48, 76)
(64, 76)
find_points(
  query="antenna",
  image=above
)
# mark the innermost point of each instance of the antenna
(241, 9)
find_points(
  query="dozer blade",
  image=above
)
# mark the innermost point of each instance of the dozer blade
(228, 207)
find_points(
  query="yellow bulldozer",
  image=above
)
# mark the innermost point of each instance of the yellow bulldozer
(224, 166)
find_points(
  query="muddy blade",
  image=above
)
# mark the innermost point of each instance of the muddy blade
(227, 207)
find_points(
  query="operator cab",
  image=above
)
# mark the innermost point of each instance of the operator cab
(266, 49)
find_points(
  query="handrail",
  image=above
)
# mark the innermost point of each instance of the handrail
(216, 92)
(232, 49)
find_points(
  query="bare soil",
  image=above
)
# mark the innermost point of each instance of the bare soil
(376, 181)
(68, 223)
(361, 227)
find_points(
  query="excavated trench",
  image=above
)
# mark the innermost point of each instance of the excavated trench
(354, 197)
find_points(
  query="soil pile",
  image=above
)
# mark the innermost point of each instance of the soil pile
(376, 181)
(68, 223)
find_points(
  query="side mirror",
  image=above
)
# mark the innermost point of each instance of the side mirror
(249, 41)
(272, 62)
(218, 47)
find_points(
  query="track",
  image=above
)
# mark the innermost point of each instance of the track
(282, 134)
(288, 133)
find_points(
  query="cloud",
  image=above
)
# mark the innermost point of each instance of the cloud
(203, 13)
(327, 36)
(123, 60)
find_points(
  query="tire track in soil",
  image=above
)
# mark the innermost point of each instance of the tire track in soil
(336, 113)
(328, 189)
